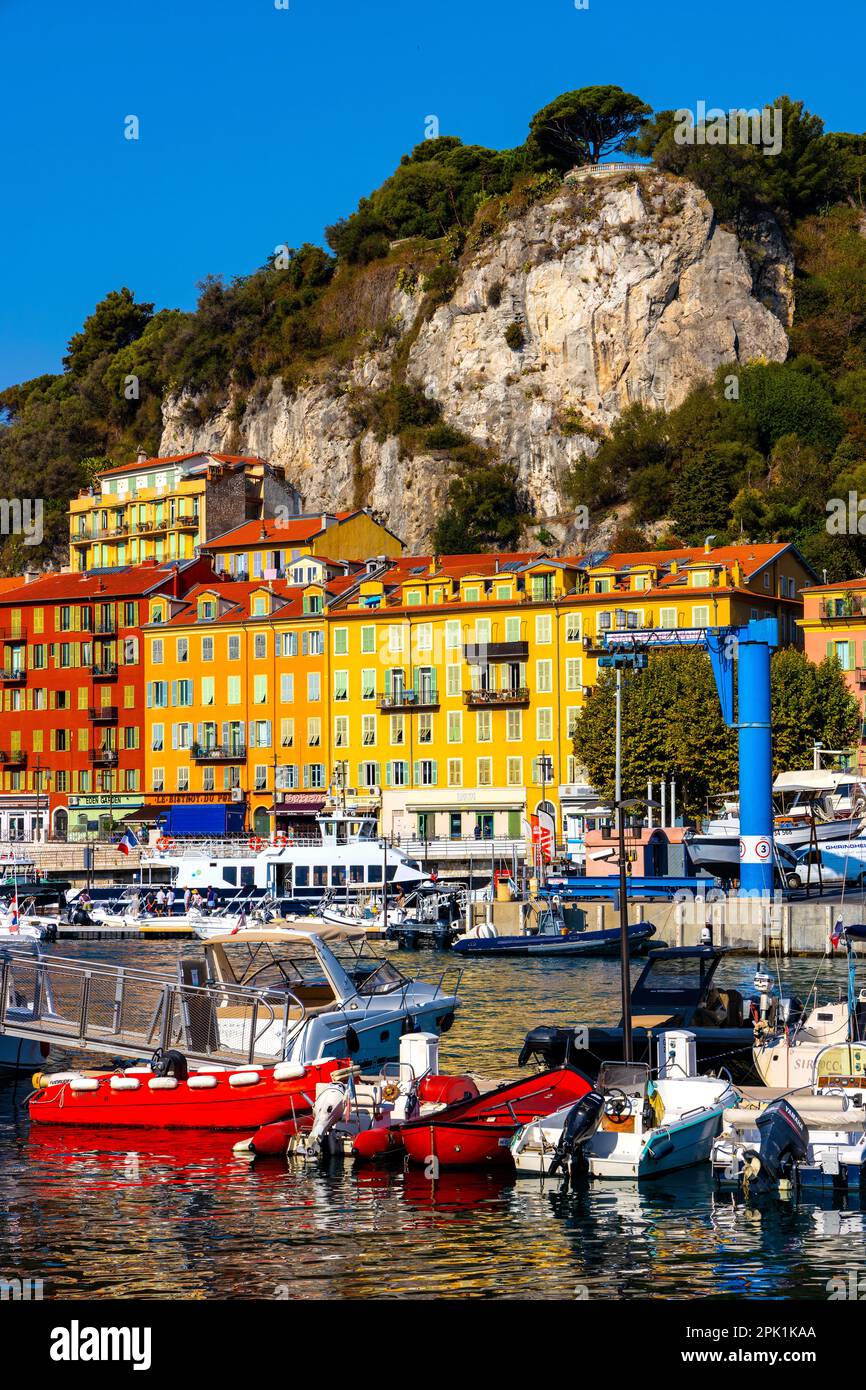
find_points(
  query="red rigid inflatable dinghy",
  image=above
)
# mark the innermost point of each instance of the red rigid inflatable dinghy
(241, 1098)
(478, 1131)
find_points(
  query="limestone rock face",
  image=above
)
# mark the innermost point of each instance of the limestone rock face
(622, 289)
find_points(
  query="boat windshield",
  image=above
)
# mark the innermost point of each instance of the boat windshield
(384, 980)
(268, 965)
(674, 978)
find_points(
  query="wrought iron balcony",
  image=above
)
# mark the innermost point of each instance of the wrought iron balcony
(488, 653)
(219, 752)
(12, 636)
(425, 697)
(103, 757)
(490, 699)
(104, 671)
(102, 714)
(13, 675)
(14, 757)
(105, 627)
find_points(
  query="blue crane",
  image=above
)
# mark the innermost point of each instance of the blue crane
(750, 647)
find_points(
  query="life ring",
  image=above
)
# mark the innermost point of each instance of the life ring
(256, 843)
(281, 840)
(164, 842)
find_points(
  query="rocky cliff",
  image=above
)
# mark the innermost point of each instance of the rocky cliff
(615, 289)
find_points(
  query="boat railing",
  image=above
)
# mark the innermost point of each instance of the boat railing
(227, 847)
(125, 1011)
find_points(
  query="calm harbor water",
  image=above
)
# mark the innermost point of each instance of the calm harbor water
(166, 1215)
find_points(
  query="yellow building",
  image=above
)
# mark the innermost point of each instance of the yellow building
(447, 687)
(165, 508)
(236, 698)
(271, 549)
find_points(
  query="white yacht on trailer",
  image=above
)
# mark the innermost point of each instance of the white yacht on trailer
(346, 855)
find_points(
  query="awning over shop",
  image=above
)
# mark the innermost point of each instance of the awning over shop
(299, 805)
(204, 819)
(145, 815)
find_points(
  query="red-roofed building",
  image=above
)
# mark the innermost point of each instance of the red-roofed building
(72, 680)
(272, 548)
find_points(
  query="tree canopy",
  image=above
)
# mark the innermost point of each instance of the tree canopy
(583, 126)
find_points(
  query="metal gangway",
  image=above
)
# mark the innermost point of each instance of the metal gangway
(121, 1011)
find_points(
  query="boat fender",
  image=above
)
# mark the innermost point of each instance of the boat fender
(162, 1083)
(243, 1078)
(660, 1147)
(206, 1082)
(41, 1080)
(124, 1083)
(169, 1062)
(289, 1071)
(343, 1074)
(84, 1083)
(353, 1042)
(408, 1025)
(447, 1022)
(271, 1140)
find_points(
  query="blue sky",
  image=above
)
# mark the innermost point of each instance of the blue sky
(261, 125)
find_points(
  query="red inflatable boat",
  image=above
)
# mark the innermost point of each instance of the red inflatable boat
(242, 1098)
(478, 1131)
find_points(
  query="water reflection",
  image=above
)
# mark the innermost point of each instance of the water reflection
(170, 1215)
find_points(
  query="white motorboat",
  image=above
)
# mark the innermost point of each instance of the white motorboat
(827, 805)
(815, 1136)
(325, 995)
(260, 995)
(345, 854)
(789, 1036)
(631, 1125)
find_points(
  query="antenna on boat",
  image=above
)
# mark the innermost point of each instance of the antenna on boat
(625, 963)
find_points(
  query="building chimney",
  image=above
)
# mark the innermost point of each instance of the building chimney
(707, 544)
(141, 456)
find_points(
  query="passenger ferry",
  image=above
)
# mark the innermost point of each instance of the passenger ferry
(346, 857)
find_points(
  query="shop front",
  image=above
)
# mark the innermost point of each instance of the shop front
(98, 817)
(475, 813)
(296, 813)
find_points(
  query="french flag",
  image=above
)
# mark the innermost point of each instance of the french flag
(128, 842)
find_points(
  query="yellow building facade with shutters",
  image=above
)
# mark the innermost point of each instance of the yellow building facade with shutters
(442, 690)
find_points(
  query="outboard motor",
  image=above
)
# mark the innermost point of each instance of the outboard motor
(784, 1144)
(582, 1121)
(169, 1062)
(553, 1046)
